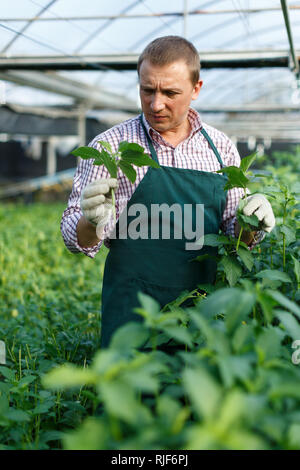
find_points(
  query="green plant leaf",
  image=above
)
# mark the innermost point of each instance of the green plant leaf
(248, 222)
(296, 268)
(85, 152)
(203, 257)
(290, 234)
(284, 390)
(109, 163)
(42, 408)
(271, 189)
(238, 312)
(246, 257)
(290, 323)
(204, 392)
(233, 302)
(17, 415)
(51, 436)
(106, 145)
(144, 378)
(138, 159)
(236, 177)
(296, 187)
(67, 376)
(7, 373)
(132, 335)
(92, 435)
(268, 345)
(120, 401)
(232, 410)
(243, 335)
(246, 162)
(179, 333)
(28, 379)
(128, 170)
(148, 304)
(232, 268)
(213, 239)
(274, 275)
(294, 436)
(266, 303)
(285, 302)
(123, 146)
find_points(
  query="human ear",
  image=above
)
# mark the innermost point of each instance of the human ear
(196, 89)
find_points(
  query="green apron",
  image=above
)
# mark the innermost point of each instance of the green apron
(160, 267)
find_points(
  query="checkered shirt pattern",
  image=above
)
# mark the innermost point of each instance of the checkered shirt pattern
(193, 153)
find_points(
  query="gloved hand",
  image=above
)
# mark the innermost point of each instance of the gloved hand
(259, 205)
(96, 202)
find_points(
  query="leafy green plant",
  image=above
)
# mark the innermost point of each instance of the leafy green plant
(127, 155)
(239, 177)
(234, 254)
(223, 391)
(216, 375)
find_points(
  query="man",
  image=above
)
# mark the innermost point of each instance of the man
(189, 153)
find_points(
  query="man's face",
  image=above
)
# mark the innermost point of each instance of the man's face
(166, 93)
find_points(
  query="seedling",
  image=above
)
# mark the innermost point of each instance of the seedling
(238, 177)
(127, 155)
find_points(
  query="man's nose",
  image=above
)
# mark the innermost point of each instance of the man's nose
(157, 103)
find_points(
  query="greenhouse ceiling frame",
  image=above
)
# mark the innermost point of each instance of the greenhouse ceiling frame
(145, 15)
(91, 96)
(37, 71)
(294, 65)
(209, 60)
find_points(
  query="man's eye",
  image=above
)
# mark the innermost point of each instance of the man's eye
(147, 90)
(170, 93)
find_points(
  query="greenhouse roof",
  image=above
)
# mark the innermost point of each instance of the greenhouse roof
(82, 55)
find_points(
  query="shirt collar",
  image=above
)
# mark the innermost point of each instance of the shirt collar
(193, 117)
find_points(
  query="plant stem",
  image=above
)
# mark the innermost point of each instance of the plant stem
(241, 230)
(271, 256)
(114, 205)
(20, 363)
(283, 235)
(239, 239)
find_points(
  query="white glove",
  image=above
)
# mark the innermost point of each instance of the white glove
(259, 205)
(96, 202)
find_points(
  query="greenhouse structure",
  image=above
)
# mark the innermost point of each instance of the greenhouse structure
(214, 363)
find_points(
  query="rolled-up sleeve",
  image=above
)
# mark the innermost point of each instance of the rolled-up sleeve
(85, 174)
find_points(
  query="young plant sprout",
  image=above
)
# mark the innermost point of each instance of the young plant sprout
(127, 155)
(238, 178)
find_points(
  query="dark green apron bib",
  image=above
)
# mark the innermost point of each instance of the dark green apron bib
(160, 267)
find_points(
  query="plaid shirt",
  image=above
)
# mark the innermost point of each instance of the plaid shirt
(193, 153)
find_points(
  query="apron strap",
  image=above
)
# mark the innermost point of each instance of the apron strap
(205, 134)
(152, 149)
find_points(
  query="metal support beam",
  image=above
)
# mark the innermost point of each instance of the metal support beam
(295, 60)
(103, 114)
(51, 157)
(147, 15)
(209, 60)
(82, 127)
(246, 109)
(90, 95)
(185, 17)
(26, 26)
